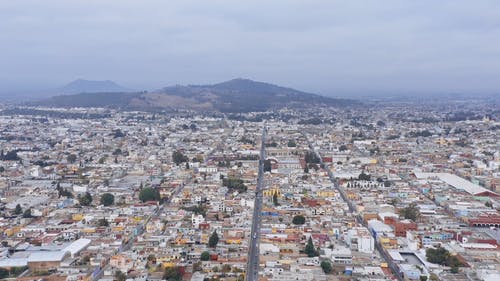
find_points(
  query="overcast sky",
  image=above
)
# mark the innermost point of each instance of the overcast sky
(328, 47)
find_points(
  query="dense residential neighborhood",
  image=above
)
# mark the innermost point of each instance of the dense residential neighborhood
(389, 192)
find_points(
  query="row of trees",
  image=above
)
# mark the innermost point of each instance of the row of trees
(107, 199)
(18, 210)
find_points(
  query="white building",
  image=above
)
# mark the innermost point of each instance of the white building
(196, 220)
(360, 239)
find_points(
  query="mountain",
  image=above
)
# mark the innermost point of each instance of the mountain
(244, 95)
(91, 86)
(237, 95)
(114, 100)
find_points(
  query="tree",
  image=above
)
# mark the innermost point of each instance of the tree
(117, 151)
(226, 268)
(311, 157)
(394, 201)
(423, 277)
(71, 158)
(275, 199)
(102, 159)
(438, 255)
(149, 194)
(213, 240)
(298, 220)
(66, 193)
(343, 147)
(364, 177)
(120, 276)
(442, 256)
(306, 169)
(16, 271)
(4, 273)
(27, 214)
(453, 261)
(272, 144)
(234, 183)
(18, 210)
(103, 222)
(85, 200)
(179, 158)
(205, 256)
(326, 266)
(267, 165)
(173, 273)
(118, 133)
(310, 250)
(107, 199)
(152, 259)
(10, 156)
(411, 212)
(291, 143)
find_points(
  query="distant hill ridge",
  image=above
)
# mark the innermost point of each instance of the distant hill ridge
(237, 95)
(91, 86)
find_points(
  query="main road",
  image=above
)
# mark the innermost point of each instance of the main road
(252, 273)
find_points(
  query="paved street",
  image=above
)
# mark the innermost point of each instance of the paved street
(253, 252)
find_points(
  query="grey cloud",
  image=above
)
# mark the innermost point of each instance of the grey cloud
(332, 47)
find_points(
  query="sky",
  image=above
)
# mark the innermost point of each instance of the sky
(330, 47)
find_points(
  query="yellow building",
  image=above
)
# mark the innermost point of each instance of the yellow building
(325, 193)
(271, 192)
(11, 231)
(233, 241)
(388, 242)
(89, 230)
(77, 217)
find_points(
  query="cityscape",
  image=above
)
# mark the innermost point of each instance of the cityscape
(222, 140)
(310, 194)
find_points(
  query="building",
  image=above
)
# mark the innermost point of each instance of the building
(360, 239)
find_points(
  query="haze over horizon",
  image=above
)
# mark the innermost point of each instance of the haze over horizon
(332, 48)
